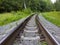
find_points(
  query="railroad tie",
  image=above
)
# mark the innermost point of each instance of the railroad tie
(30, 36)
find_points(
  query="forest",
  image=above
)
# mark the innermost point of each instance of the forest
(13, 10)
(34, 5)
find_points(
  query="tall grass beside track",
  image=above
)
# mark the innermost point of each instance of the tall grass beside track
(53, 17)
(6, 18)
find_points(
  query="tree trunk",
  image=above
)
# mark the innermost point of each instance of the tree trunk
(25, 5)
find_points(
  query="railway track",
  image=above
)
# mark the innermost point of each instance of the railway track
(30, 32)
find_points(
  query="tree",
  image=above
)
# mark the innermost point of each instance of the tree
(57, 5)
(34, 5)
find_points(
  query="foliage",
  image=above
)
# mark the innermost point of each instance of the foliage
(57, 5)
(34, 5)
(53, 17)
(28, 11)
(6, 18)
(41, 5)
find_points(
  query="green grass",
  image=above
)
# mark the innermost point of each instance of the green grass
(44, 43)
(53, 17)
(6, 18)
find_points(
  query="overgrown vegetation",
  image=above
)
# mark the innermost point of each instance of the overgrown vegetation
(34, 5)
(57, 5)
(6, 18)
(53, 17)
(24, 7)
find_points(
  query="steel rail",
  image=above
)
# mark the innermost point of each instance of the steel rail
(8, 39)
(48, 36)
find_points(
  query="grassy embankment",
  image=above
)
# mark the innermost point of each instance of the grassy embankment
(6, 18)
(53, 17)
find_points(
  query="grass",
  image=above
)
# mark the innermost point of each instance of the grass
(53, 17)
(6, 18)
(44, 43)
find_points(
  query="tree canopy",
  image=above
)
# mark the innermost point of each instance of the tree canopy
(57, 5)
(34, 5)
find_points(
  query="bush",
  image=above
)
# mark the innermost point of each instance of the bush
(27, 11)
(6, 18)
